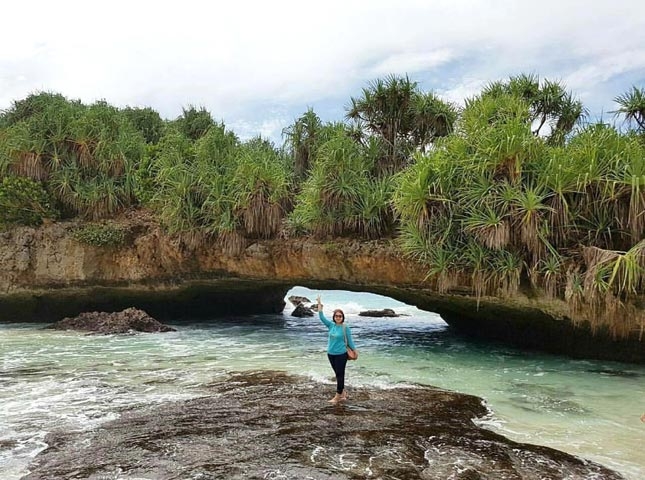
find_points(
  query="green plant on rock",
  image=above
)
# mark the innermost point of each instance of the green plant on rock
(85, 155)
(262, 179)
(24, 202)
(100, 234)
(339, 198)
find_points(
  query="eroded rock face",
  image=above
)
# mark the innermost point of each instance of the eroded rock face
(104, 323)
(38, 267)
(270, 425)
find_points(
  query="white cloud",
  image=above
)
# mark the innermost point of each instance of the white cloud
(467, 88)
(411, 62)
(234, 56)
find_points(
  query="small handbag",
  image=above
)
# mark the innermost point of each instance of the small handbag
(351, 354)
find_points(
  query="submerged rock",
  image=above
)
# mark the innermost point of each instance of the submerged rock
(128, 320)
(270, 425)
(386, 312)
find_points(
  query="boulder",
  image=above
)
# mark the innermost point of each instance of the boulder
(302, 311)
(386, 312)
(104, 323)
(297, 300)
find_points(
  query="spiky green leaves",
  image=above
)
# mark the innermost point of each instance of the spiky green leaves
(85, 155)
(340, 197)
(631, 105)
(394, 110)
(218, 187)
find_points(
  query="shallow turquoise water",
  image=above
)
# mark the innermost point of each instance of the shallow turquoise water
(52, 379)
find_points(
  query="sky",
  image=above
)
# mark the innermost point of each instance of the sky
(258, 65)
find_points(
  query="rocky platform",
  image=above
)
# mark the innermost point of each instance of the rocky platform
(268, 425)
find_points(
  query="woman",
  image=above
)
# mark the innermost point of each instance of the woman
(336, 348)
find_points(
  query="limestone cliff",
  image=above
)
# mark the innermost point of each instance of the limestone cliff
(46, 274)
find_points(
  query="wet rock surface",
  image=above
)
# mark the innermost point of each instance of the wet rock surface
(271, 425)
(302, 311)
(104, 323)
(297, 300)
(386, 312)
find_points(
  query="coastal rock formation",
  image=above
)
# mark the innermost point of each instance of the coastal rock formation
(297, 300)
(104, 323)
(386, 312)
(302, 311)
(271, 425)
(45, 274)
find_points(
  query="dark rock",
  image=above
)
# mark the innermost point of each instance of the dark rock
(105, 323)
(302, 311)
(470, 474)
(272, 425)
(386, 312)
(296, 300)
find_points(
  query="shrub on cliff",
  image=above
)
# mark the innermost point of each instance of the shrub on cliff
(100, 234)
(340, 197)
(496, 204)
(24, 202)
(85, 155)
(219, 187)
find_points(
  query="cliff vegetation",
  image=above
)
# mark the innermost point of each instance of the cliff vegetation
(515, 190)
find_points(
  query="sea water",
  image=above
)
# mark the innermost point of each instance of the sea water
(53, 380)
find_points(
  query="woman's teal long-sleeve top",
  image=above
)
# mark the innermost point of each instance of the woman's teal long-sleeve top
(336, 343)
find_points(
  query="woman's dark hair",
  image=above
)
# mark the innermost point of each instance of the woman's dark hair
(338, 310)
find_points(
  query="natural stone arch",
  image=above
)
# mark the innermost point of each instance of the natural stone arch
(45, 275)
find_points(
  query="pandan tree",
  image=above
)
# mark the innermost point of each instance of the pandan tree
(262, 178)
(631, 105)
(194, 122)
(402, 117)
(302, 138)
(219, 188)
(495, 205)
(339, 197)
(84, 155)
(191, 180)
(550, 104)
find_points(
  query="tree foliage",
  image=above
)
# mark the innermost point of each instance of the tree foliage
(495, 205)
(550, 104)
(24, 202)
(302, 139)
(510, 192)
(194, 122)
(631, 105)
(394, 110)
(147, 121)
(84, 155)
